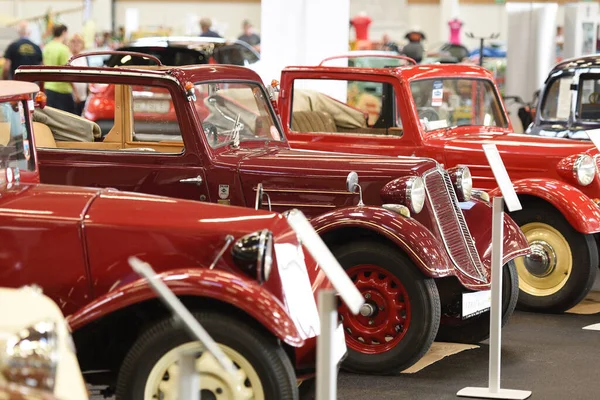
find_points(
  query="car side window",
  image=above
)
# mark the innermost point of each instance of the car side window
(115, 118)
(589, 97)
(344, 107)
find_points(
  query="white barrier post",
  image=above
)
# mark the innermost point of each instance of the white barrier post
(330, 346)
(494, 391)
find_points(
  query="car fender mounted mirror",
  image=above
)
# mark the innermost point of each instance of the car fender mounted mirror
(352, 185)
(260, 194)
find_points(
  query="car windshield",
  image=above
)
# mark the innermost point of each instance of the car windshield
(235, 112)
(450, 102)
(15, 150)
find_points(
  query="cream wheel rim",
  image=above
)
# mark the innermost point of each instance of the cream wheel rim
(548, 268)
(162, 382)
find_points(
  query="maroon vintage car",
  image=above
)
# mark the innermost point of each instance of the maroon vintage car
(447, 112)
(241, 272)
(418, 248)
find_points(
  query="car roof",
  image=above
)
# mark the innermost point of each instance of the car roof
(589, 61)
(9, 90)
(411, 72)
(182, 73)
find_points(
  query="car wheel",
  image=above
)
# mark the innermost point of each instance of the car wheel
(477, 329)
(307, 389)
(562, 268)
(401, 316)
(150, 368)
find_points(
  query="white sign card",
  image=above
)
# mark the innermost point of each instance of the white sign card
(320, 252)
(437, 94)
(594, 135)
(504, 183)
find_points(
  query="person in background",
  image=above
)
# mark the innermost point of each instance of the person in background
(205, 25)
(21, 52)
(80, 89)
(59, 94)
(414, 49)
(249, 36)
(560, 43)
(388, 45)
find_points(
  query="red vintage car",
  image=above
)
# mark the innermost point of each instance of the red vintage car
(447, 112)
(241, 272)
(420, 256)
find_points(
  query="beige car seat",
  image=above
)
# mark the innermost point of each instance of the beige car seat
(43, 135)
(313, 121)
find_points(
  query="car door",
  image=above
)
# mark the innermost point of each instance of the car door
(358, 113)
(151, 147)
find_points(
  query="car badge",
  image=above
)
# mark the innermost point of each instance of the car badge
(223, 191)
(224, 202)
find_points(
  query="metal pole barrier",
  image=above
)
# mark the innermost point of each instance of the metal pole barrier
(493, 390)
(496, 306)
(326, 368)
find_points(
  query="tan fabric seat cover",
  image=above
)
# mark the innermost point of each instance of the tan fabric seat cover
(343, 115)
(4, 133)
(67, 127)
(43, 135)
(313, 121)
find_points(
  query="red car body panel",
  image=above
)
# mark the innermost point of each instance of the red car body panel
(528, 159)
(244, 294)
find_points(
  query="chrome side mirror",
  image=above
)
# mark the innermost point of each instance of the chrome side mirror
(352, 184)
(260, 193)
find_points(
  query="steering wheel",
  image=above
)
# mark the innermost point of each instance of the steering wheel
(594, 98)
(211, 132)
(429, 113)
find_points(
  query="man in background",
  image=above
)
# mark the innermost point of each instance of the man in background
(249, 36)
(21, 52)
(205, 25)
(59, 94)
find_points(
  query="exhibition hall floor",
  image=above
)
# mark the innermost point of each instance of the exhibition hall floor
(550, 355)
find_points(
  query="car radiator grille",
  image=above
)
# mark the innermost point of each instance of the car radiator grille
(451, 224)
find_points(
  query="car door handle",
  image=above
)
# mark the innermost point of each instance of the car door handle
(194, 181)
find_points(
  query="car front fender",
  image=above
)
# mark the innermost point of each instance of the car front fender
(245, 295)
(425, 250)
(579, 210)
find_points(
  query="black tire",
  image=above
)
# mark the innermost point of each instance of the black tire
(584, 253)
(424, 301)
(262, 351)
(477, 329)
(307, 389)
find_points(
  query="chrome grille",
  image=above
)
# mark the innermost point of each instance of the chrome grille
(451, 224)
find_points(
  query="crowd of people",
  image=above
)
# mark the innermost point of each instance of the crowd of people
(248, 35)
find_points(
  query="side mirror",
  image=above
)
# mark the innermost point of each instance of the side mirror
(260, 193)
(352, 184)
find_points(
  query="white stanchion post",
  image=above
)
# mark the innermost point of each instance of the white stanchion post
(494, 391)
(326, 366)
(189, 378)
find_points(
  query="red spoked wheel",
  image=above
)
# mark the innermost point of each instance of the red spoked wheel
(385, 317)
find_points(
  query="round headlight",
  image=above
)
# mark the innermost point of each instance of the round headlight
(31, 356)
(584, 169)
(462, 181)
(415, 194)
(253, 254)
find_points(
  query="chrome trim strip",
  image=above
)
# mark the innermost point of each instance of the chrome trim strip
(476, 263)
(305, 191)
(292, 205)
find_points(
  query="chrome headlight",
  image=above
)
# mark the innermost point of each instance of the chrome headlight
(584, 169)
(253, 254)
(462, 181)
(415, 194)
(31, 356)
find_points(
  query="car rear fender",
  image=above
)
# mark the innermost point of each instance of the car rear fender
(426, 251)
(245, 295)
(579, 210)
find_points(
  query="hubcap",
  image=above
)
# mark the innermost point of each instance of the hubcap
(385, 317)
(548, 268)
(216, 384)
(542, 261)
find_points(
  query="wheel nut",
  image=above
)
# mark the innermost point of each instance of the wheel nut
(367, 296)
(371, 322)
(380, 308)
